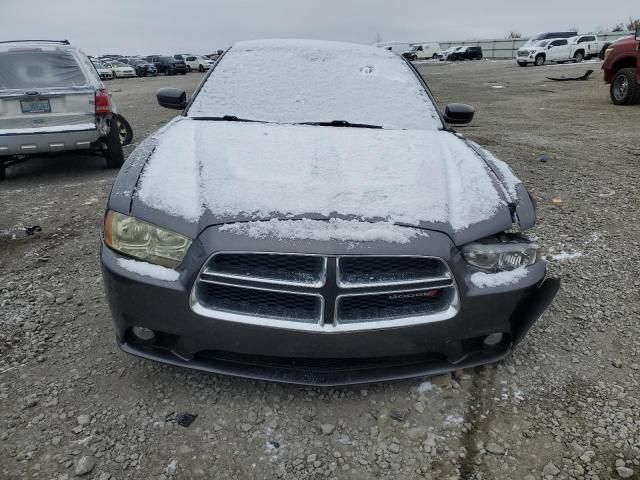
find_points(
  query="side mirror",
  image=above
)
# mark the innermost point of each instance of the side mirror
(549, 47)
(172, 98)
(459, 113)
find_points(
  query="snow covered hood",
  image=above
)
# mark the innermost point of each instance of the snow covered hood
(210, 173)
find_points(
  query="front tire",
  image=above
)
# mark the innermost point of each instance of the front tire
(201, 69)
(188, 69)
(114, 154)
(624, 87)
(3, 170)
(540, 60)
(578, 57)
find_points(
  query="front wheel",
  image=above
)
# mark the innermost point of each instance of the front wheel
(114, 154)
(624, 88)
(3, 169)
(188, 69)
(539, 60)
(201, 68)
(578, 57)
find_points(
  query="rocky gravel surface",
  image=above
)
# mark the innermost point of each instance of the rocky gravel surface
(566, 405)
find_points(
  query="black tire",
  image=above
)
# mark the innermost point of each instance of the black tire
(125, 132)
(625, 89)
(3, 170)
(114, 153)
(435, 56)
(200, 68)
(578, 57)
(539, 60)
(188, 69)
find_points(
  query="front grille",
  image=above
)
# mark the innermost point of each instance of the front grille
(382, 307)
(325, 293)
(260, 303)
(361, 270)
(282, 269)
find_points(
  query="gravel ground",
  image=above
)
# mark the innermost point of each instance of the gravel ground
(565, 405)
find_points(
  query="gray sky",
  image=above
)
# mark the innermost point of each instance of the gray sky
(201, 26)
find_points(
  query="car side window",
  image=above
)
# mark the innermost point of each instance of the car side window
(563, 42)
(420, 48)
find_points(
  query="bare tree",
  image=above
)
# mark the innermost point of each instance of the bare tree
(618, 28)
(633, 24)
(514, 34)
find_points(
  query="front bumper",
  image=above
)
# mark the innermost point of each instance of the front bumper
(311, 358)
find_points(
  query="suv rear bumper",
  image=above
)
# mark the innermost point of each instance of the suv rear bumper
(47, 141)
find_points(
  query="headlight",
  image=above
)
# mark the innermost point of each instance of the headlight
(501, 256)
(144, 241)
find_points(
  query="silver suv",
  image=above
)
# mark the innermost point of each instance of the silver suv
(52, 100)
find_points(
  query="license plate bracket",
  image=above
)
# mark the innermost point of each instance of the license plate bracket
(36, 105)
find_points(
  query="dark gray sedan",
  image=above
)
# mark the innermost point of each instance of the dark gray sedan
(312, 218)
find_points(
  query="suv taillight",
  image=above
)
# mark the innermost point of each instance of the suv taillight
(102, 101)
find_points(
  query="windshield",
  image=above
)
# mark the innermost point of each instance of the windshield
(542, 43)
(119, 64)
(296, 81)
(414, 48)
(39, 69)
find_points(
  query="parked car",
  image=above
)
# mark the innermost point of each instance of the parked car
(120, 70)
(143, 68)
(553, 50)
(167, 65)
(466, 53)
(547, 36)
(422, 51)
(52, 100)
(217, 54)
(104, 72)
(622, 70)
(446, 54)
(588, 46)
(288, 245)
(200, 63)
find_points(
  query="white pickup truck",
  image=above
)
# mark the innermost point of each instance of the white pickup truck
(558, 50)
(590, 45)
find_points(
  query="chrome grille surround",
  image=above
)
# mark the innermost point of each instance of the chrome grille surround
(430, 297)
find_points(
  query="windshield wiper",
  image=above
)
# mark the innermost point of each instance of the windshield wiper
(228, 118)
(340, 123)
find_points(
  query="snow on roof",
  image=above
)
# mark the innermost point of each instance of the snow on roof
(333, 229)
(264, 171)
(292, 81)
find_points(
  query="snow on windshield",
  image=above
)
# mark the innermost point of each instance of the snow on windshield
(293, 81)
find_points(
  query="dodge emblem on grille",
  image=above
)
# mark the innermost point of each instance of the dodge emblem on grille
(401, 296)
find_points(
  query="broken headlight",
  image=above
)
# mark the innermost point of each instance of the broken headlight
(144, 241)
(500, 254)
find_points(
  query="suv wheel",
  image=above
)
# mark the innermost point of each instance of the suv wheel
(539, 60)
(624, 88)
(578, 57)
(114, 153)
(200, 68)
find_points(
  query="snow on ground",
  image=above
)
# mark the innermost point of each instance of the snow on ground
(566, 256)
(425, 387)
(333, 229)
(243, 169)
(325, 81)
(482, 280)
(149, 270)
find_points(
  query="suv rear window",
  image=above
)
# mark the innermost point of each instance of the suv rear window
(39, 69)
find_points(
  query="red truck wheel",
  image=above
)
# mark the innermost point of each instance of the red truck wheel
(624, 87)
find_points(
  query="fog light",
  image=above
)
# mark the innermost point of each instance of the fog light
(143, 334)
(493, 339)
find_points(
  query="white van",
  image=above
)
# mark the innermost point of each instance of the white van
(422, 51)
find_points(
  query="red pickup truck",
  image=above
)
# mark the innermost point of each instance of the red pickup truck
(622, 70)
